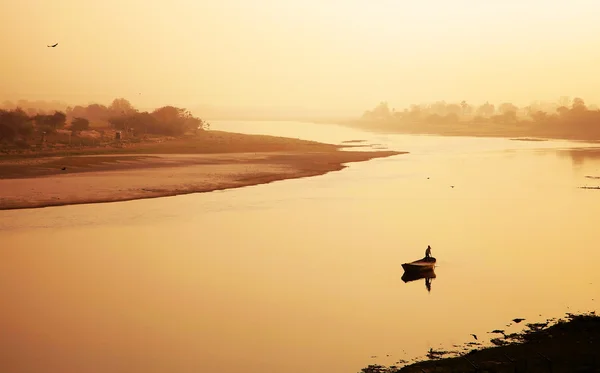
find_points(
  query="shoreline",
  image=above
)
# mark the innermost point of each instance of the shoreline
(515, 133)
(565, 345)
(41, 182)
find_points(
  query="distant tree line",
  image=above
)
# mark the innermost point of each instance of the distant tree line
(19, 124)
(562, 112)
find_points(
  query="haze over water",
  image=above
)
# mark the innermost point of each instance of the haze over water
(305, 275)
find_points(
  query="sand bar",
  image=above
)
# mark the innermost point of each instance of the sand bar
(42, 182)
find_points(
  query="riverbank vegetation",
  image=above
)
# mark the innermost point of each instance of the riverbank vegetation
(34, 129)
(565, 118)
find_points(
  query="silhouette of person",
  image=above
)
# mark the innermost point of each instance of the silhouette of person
(428, 252)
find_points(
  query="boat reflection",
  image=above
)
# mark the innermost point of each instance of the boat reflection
(428, 275)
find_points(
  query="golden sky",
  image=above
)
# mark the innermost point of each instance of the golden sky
(321, 54)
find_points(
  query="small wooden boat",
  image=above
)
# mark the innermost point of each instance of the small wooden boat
(424, 264)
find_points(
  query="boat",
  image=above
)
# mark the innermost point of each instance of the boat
(424, 264)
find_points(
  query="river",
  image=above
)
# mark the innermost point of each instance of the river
(305, 275)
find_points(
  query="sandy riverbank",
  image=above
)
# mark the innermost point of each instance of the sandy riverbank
(211, 162)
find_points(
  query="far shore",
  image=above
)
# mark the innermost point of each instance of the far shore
(512, 132)
(214, 160)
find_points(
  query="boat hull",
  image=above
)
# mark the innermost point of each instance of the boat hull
(425, 264)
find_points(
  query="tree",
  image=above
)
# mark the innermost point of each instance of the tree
(79, 124)
(562, 110)
(50, 122)
(507, 107)
(14, 123)
(77, 111)
(486, 110)
(121, 106)
(194, 123)
(97, 112)
(465, 107)
(578, 104)
(381, 111)
(175, 121)
(204, 125)
(57, 120)
(168, 114)
(145, 123)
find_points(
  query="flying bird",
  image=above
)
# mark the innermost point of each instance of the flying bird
(52, 46)
(474, 336)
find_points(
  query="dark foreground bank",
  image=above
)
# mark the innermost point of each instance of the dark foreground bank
(570, 345)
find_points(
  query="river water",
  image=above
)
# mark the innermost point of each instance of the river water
(305, 275)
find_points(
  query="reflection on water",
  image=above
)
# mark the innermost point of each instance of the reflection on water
(302, 275)
(579, 156)
(428, 275)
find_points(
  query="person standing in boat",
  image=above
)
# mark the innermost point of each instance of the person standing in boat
(428, 252)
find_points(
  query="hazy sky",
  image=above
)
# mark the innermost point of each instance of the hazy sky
(318, 54)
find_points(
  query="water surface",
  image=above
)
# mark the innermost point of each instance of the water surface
(304, 275)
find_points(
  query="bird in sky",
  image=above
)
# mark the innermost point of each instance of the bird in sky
(52, 46)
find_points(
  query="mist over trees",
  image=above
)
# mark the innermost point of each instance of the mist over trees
(17, 124)
(34, 107)
(564, 115)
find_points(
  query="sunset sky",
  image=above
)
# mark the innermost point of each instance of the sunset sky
(316, 54)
